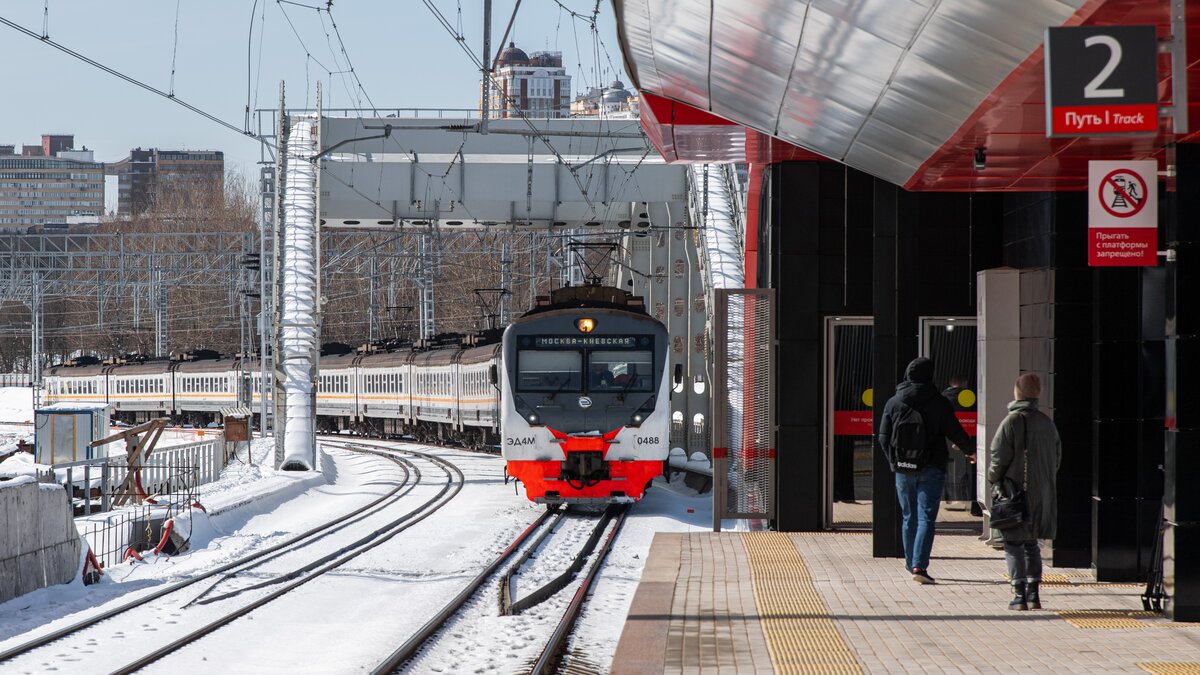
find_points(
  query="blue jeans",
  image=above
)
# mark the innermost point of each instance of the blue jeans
(920, 495)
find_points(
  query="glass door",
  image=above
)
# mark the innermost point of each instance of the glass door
(849, 402)
(951, 343)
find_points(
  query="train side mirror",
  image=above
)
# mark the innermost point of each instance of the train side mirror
(493, 375)
(678, 379)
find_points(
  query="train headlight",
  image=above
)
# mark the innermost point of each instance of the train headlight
(637, 419)
(533, 418)
(585, 325)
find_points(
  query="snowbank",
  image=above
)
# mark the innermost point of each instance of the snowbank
(16, 405)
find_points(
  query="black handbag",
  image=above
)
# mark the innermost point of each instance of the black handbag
(1009, 506)
(1009, 509)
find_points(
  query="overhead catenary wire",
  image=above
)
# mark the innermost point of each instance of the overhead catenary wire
(131, 80)
(349, 69)
(174, 49)
(462, 43)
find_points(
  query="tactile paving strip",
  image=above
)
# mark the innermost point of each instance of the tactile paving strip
(801, 636)
(1098, 618)
(1077, 579)
(1171, 667)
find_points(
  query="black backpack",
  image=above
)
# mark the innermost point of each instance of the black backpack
(909, 451)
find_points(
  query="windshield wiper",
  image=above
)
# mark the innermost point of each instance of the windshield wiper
(560, 388)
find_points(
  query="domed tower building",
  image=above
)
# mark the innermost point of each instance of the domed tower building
(536, 83)
(611, 102)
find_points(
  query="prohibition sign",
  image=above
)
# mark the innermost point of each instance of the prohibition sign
(1123, 193)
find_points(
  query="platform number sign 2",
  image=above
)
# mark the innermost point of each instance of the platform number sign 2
(1101, 80)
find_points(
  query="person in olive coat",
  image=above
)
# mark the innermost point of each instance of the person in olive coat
(1027, 450)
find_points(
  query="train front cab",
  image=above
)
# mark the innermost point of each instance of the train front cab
(585, 415)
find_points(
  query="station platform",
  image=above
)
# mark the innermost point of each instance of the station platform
(769, 602)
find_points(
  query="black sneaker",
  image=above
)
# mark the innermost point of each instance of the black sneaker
(921, 576)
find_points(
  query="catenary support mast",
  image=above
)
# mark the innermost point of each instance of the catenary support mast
(298, 326)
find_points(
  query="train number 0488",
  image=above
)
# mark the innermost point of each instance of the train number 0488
(647, 440)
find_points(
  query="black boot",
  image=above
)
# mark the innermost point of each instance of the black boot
(1018, 601)
(1032, 599)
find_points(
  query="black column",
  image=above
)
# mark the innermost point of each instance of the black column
(795, 222)
(1114, 423)
(895, 342)
(1181, 499)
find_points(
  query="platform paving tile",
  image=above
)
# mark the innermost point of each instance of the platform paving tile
(699, 596)
(962, 623)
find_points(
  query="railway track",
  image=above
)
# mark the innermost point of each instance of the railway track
(292, 579)
(606, 529)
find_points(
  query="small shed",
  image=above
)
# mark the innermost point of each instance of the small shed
(237, 430)
(65, 431)
(237, 423)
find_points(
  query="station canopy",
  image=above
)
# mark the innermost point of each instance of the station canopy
(905, 90)
(386, 172)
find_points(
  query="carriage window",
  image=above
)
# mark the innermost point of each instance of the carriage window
(549, 371)
(621, 371)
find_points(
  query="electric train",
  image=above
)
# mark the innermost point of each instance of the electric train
(576, 394)
(585, 416)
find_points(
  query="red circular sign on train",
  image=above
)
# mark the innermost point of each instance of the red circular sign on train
(1123, 193)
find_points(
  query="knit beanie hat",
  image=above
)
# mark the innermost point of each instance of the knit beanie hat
(1029, 385)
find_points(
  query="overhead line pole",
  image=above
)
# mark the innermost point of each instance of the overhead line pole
(486, 68)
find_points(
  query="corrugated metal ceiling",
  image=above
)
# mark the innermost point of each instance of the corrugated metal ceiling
(878, 84)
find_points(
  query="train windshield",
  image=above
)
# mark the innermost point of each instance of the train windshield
(549, 370)
(621, 371)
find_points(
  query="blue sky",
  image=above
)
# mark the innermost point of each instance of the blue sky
(400, 52)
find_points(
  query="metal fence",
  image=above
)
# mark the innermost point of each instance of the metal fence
(96, 484)
(743, 404)
(139, 528)
(14, 380)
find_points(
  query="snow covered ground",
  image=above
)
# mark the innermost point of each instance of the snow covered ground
(351, 618)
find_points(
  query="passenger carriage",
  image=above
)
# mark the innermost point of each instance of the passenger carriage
(434, 396)
(336, 396)
(140, 392)
(478, 403)
(383, 390)
(76, 384)
(204, 387)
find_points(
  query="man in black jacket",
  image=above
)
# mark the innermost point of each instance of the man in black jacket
(920, 491)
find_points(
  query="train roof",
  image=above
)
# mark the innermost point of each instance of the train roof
(589, 297)
(611, 312)
(75, 371)
(221, 365)
(143, 368)
(338, 361)
(436, 357)
(480, 354)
